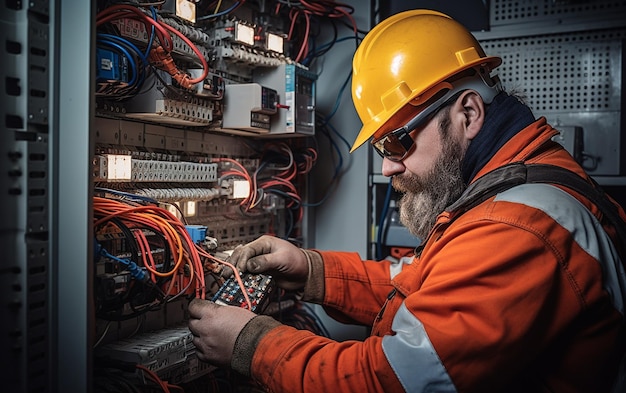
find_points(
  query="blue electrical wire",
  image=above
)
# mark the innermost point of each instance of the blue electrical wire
(152, 34)
(130, 58)
(344, 140)
(132, 267)
(289, 210)
(338, 100)
(322, 47)
(339, 165)
(126, 42)
(127, 195)
(381, 223)
(335, 174)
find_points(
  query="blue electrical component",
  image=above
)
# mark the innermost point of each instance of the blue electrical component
(111, 66)
(135, 271)
(196, 232)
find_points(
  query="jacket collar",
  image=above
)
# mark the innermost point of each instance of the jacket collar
(520, 147)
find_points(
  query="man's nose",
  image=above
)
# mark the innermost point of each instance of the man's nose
(390, 168)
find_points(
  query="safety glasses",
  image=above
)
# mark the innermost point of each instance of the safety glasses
(397, 144)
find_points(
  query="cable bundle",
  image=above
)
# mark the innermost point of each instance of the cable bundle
(309, 9)
(157, 53)
(136, 219)
(217, 13)
(289, 165)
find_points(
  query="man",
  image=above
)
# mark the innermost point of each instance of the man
(518, 285)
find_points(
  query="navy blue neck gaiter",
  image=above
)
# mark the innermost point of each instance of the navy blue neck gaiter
(505, 117)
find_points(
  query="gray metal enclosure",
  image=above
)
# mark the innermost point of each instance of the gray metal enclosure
(567, 57)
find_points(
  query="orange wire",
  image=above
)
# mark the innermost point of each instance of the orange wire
(162, 384)
(235, 272)
(164, 222)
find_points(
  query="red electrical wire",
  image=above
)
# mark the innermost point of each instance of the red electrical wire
(205, 66)
(161, 29)
(235, 272)
(322, 8)
(164, 385)
(127, 11)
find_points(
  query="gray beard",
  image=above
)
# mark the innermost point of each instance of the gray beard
(424, 198)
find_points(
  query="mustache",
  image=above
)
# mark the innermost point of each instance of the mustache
(404, 183)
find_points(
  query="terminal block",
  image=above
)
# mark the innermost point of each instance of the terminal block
(258, 287)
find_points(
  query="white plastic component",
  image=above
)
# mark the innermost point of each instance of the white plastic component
(181, 194)
(248, 106)
(241, 189)
(184, 110)
(113, 167)
(244, 33)
(296, 87)
(275, 43)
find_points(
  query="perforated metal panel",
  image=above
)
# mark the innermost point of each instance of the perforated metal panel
(504, 12)
(580, 72)
(573, 79)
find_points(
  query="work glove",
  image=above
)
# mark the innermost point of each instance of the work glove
(215, 329)
(286, 263)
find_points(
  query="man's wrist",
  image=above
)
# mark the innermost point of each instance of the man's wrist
(314, 286)
(247, 341)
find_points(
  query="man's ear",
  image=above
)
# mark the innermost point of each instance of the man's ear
(474, 111)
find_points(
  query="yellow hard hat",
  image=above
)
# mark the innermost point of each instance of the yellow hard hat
(403, 58)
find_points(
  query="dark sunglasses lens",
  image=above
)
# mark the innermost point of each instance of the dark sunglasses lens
(390, 147)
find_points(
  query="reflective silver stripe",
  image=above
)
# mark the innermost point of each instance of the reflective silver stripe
(413, 357)
(586, 230)
(395, 267)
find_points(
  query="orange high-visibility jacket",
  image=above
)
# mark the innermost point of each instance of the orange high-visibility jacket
(524, 292)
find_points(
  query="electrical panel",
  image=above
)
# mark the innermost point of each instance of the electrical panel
(138, 148)
(202, 143)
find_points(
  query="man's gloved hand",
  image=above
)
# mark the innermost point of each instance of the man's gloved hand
(286, 263)
(215, 329)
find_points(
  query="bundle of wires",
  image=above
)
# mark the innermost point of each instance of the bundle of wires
(164, 386)
(308, 10)
(137, 217)
(157, 52)
(280, 158)
(134, 64)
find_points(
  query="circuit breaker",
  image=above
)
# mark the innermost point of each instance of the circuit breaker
(296, 114)
(249, 107)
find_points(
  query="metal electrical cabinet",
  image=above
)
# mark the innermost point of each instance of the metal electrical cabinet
(58, 138)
